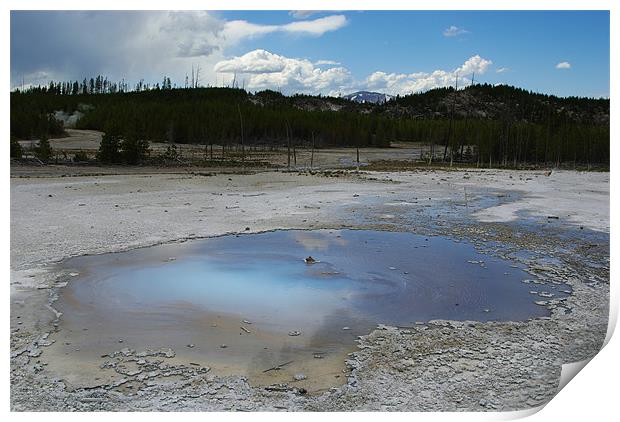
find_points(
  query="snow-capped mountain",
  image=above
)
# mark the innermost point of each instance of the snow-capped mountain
(368, 97)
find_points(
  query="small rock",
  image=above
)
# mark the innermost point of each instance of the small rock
(126, 351)
(294, 333)
(299, 377)
(35, 353)
(223, 346)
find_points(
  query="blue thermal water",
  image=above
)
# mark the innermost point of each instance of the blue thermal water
(362, 278)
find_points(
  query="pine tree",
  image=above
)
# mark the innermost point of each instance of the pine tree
(43, 151)
(134, 150)
(109, 148)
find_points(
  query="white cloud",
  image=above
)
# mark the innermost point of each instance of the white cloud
(563, 65)
(257, 61)
(502, 70)
(266, 70)
(326, 62)
(302, 14)
(239, 29)
(403, 83)
(198, 33)
(474, 64)
(454, 31)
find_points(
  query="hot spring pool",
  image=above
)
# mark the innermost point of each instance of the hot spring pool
(232, 302)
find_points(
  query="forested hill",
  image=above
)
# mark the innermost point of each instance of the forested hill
(500, 102)
(496, 122)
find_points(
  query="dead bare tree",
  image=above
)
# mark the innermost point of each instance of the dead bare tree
(288, 147)
(312, 153)
(197, 76)
(242, 145)
(432, 153)
(449, 135)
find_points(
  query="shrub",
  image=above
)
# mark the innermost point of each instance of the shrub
(80, 156)
(16, 149)
(171, 153)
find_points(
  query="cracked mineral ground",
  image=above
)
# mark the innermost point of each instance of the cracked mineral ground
(432, 290)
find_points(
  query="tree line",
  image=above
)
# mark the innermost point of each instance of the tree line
(498, 125)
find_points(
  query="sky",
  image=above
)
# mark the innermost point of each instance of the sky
(565, 53)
